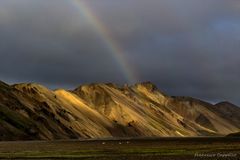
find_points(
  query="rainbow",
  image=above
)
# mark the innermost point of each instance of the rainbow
(114, 49)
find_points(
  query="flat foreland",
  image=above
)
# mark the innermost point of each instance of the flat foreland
(133, 149)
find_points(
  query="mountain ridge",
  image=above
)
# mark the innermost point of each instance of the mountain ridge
(100, 110)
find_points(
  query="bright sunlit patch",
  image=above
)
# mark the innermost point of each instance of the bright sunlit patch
(179, 133)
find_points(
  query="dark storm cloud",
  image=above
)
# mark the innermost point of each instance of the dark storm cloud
(186, 47)
(47, 42)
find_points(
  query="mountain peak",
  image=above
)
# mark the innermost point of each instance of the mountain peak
(93, 85)
(3, 84)
(32, 88)
(148, 85)
(30, 85)
(225, 103)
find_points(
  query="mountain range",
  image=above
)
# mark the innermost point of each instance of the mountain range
(30, 111)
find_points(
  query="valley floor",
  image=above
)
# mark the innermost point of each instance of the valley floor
(216, 148)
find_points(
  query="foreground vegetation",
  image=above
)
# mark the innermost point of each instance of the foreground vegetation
(163, 148)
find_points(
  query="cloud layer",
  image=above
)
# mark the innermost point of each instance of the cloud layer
(186, 47)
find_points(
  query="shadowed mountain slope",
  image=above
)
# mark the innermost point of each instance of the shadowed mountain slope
(234, 135)
(31, 111)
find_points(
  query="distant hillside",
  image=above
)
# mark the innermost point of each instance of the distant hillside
(234, 135)
(31, 111)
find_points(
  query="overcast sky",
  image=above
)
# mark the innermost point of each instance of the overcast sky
(185, 47)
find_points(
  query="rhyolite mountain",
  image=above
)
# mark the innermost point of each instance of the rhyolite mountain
(34, 112)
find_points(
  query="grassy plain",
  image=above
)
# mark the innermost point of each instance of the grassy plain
(125, 149)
